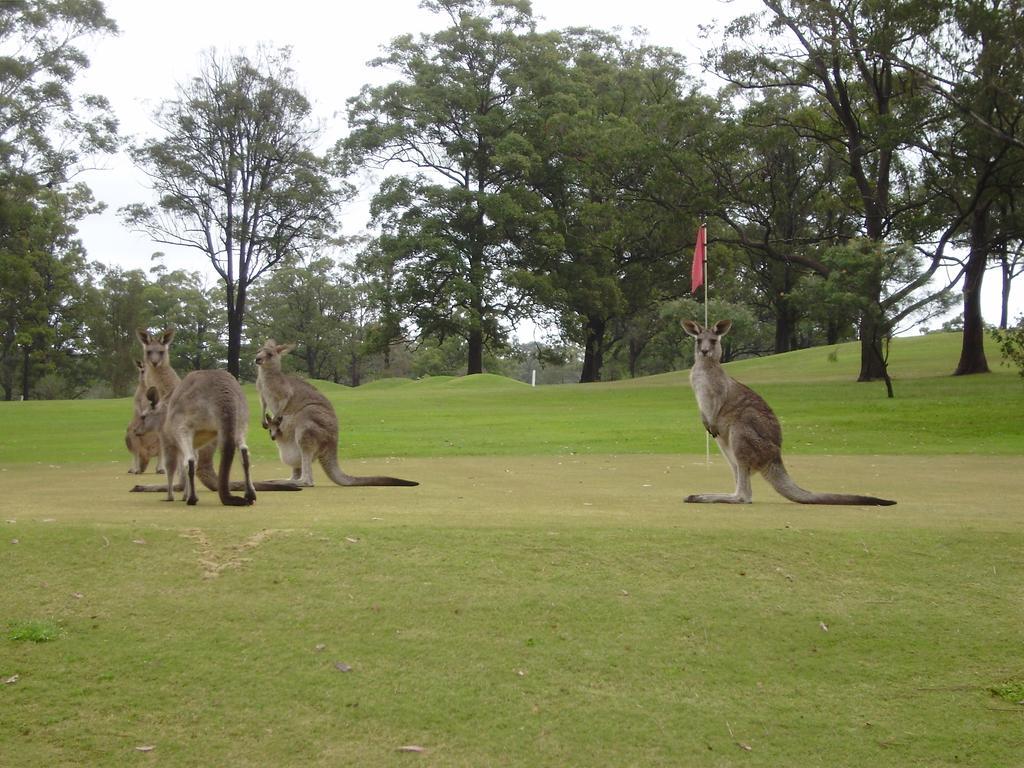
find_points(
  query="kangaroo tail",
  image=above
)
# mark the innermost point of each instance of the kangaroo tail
(776, 474)
(329, 462)
(228, 447)
(227, 455)
(235, 485)
(204, 468)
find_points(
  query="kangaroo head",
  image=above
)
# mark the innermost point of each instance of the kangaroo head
(154, 346)
(152, 417)
(706, 339)
(269, 356)
(274, 427)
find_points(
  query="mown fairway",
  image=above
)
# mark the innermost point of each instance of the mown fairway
(544, 597)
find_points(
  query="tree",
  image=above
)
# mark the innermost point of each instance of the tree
(187, 302)
(41, 298)
(237, 175)
(1011, 344)
(46, 130)
(608, 118)
(846, 54)
(313, 304)
(975, 158)
(455, 235)
(47, 134)
(779, 196)
(116, 307)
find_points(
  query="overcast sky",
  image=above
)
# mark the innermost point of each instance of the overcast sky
(161, 44)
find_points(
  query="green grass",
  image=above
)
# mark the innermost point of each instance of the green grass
(543, 598)
(822, 408)
(34, 631)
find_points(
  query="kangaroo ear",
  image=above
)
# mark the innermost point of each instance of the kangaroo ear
(153, 396)
(142, 335)
(167, 336)
(691, 327)
(722, 327)
(284, 349)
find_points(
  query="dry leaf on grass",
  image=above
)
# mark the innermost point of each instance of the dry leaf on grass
(341, 666)
(11, 680)
(145, 748)
(410, 748)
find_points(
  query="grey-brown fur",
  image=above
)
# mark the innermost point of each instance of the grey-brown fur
(159, 374)
(304, 423)
(745, 428)
(156, 359)
(206, 408)
(145, 446)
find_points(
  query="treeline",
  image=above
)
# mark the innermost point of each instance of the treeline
(859, 170)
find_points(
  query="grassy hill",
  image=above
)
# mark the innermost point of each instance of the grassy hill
(822, 408)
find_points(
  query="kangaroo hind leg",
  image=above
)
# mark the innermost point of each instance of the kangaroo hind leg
(741, 474)
(250, 490)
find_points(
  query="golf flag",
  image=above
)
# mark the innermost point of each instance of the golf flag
(699, 259)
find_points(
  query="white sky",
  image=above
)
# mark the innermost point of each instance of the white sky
(161, 44)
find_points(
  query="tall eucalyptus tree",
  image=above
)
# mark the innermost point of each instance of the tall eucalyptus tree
(237, 175)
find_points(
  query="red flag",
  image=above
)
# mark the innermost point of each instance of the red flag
(699, 258)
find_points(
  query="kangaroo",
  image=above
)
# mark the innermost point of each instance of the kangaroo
(304, 424)
(159, 374)
(745, 428)
(145, 446)
(157, 361)
(207, 407)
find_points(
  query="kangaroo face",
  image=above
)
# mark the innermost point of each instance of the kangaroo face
(269, 356)
(155, 346)
(706, 340)
(274, 427)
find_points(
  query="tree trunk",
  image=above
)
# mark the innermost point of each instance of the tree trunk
(636, 349)
(593, 354)
(25, 375)
(972, 350)
(872, 364)
(234, 342)
(355, 374)
(475, 341)
(236, 314)
(785, 327)
(785, 313)
(1004, 296)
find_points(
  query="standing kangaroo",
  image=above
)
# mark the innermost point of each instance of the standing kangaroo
(158, 374)
(745, 428)
(304, 423)
(145, 446)
(156, 361)
(207, 407)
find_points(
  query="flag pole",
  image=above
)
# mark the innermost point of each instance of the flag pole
(703, 234)
(704, 266)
